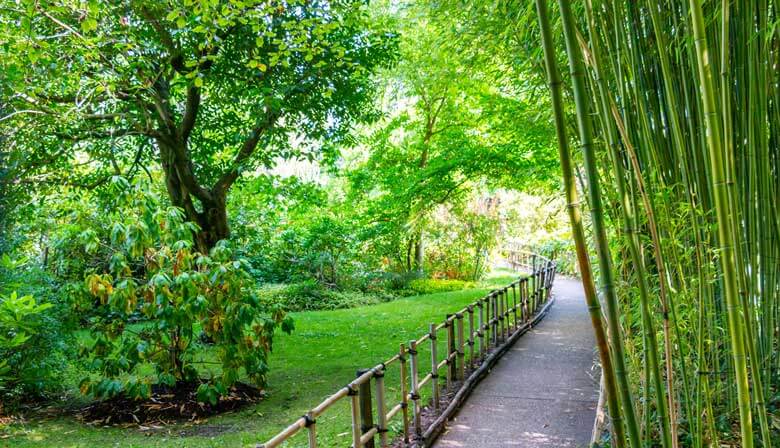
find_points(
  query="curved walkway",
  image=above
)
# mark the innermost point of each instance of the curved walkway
(543, 392)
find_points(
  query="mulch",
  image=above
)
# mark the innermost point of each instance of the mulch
(166, 405)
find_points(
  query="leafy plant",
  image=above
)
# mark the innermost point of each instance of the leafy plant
(156, 298)
(20, 319)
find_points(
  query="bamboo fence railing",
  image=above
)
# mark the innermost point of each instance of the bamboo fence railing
(476, 336)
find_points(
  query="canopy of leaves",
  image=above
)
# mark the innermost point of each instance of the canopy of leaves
(209, 89)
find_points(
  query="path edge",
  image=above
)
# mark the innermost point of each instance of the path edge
(438, 425)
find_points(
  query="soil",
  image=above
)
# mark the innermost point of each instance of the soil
(166, 405)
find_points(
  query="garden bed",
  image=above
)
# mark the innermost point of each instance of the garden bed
(167, 405)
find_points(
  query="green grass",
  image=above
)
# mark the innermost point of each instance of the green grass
(321, 355)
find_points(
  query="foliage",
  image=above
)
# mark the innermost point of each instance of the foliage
(20, 320)
(327, 345)
(155, 275)
(461, 240)
(32, 312)
(448, 138)
(212, 90)
(311, 295)
(433, 285)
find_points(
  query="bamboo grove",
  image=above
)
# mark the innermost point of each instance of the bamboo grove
(677, 127)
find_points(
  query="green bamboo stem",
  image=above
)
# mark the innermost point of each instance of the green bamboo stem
(575, 218)
(722, 187)
(577, 72)
(667, 427)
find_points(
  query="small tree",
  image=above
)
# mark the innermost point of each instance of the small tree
(156, 278)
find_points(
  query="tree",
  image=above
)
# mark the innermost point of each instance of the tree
(450, 129)
(208, 89)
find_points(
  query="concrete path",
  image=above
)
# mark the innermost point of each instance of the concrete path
(543, 391)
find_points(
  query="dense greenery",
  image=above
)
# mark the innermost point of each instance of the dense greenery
(176, 177)
(679, 136)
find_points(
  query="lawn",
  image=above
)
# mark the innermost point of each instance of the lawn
(322, 355)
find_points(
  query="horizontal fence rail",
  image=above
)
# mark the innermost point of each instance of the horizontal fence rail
(475, 336)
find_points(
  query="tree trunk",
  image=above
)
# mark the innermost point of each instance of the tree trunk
(207, 207)
(419, 253)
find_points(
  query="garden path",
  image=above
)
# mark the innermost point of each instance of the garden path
(543, 392)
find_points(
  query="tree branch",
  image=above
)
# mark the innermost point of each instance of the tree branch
(190, 112)
(246, 151)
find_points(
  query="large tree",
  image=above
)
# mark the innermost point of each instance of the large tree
(451, 129)
(206, 88)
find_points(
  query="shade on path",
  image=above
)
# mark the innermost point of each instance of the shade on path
(544, 390)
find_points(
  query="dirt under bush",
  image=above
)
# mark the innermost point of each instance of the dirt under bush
(167, 405)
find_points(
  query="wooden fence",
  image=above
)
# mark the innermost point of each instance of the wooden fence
(475, 337)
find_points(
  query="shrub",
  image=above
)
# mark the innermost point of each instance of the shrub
(32, 319)
(310, 295)
(432, 285)
(562, 251)
(155, 275)
(21, 318)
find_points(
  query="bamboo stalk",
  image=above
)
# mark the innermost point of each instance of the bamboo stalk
(722, 187)
(573, 208)
(577, 73)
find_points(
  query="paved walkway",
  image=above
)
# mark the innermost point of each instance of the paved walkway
(543, 391)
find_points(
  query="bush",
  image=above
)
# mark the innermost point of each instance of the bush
(310, 295)
(562, 252)
(32, 320)
(21, 317)
(433, 285)
(155, 275)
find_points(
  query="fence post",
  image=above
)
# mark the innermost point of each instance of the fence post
(471, 335)
(553, 270)
(461, 348)
(366, 413)
(507, 313)
(381, 408)
(495, 318)
(504, 323)
(434, 367)
(452, 361)
(524, 298)
(499, 320)
(481, 330)
(404, 392)
(415, 395)
(355, 409)
(514, 304)
(311, 426)
(540, 293)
